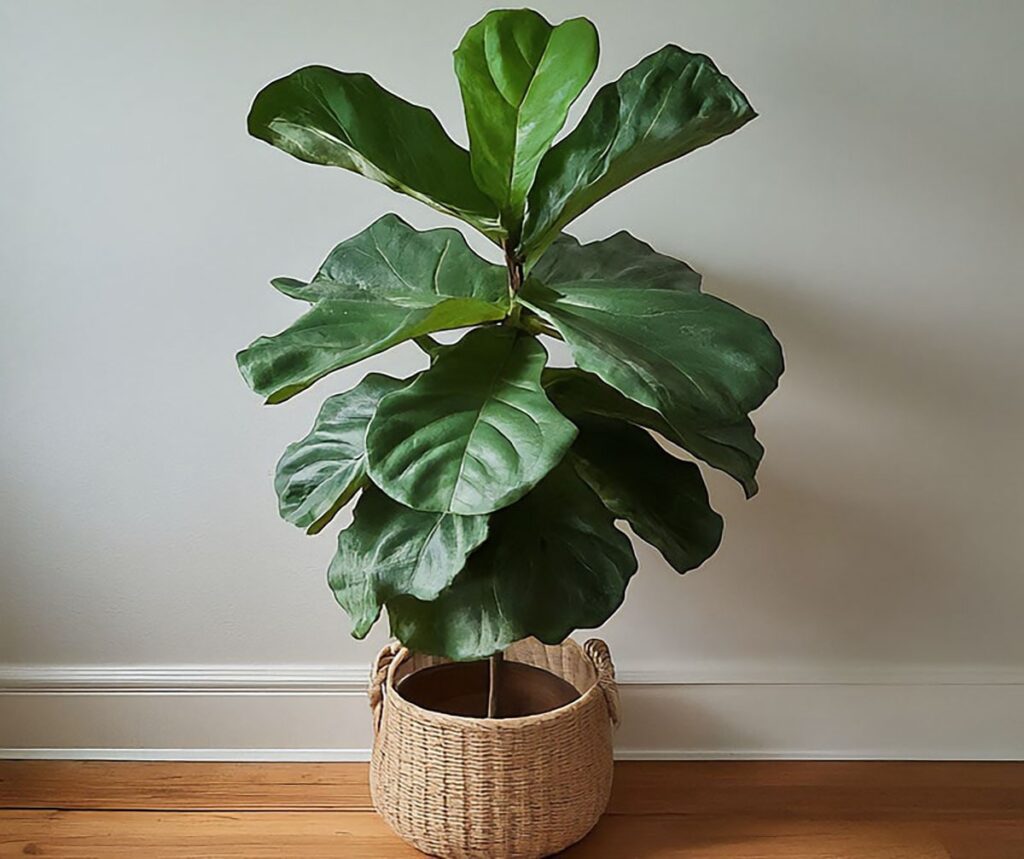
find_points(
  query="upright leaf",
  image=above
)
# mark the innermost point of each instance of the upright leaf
(663, 499)
(553, 562)
(518, 77)
(473, 433)
(386, 285)
(669, 104)
(320, 473)
(341, 119)
(390, 550)
(732, 448)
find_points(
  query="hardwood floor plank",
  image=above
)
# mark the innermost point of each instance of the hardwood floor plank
(685, 837)
(79, 834)
(168, 786)
(217, 835)
(972, 839)
(889, 789)
(814, 789)
(677, 810)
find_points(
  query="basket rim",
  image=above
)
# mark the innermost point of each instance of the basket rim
(512, 722)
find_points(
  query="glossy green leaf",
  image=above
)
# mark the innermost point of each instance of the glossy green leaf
(472, 434)
(663, 499)
(390, 259)
(699, 362)
(491, 485)
(341, 119)
(702, 362)
(620, 257)
(390, 550)
(518, 77)
(669, 104)
(386, 285)
(320, 473)
(553, 562)
(731, 448)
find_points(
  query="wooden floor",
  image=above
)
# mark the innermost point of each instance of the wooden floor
(712, 810)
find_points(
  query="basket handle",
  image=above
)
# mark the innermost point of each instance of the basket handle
(597, 652)
(378, 680)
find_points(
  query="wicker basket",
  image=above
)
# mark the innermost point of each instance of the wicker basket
(517, 788)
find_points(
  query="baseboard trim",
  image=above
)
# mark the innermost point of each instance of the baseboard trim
(209, 755)
(363, 755)
(184, 679)
(352, 679)
(319, 713)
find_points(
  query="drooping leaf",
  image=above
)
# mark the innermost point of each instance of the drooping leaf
(578, 393)
(320, 473)
(621, 257)
(473, 433)
(723, 440)
(553, 562)
(669, 104)
(663, 499)
(348, 120)
(388, 284)
(730, 448)
(390, 550)
(699, 362)
(519, 76)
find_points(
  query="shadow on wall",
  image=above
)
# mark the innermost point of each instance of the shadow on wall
(884, 504)
(654, 720)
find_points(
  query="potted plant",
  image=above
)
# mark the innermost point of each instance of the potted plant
(489, 484)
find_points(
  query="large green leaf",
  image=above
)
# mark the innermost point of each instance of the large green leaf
(663, 499)
(553, 562)
(386, 285)
(473, 433)
(518, 77)
(722, 437)
(732, 448)
(699, 362)
(318, 474)
(341, 119)
(390, 550)
(390, 259)
(621, 257)
(669, 104)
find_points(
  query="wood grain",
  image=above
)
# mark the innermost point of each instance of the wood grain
(160, 786)
(256, 834)
(363, 834)
(677, 810)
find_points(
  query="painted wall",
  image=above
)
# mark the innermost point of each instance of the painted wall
(873, 214)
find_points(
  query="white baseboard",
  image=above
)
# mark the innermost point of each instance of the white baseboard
(319, 713)
(363, 755)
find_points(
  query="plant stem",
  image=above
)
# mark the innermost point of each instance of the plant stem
(428, 344)
(514, 268)
(494, 664)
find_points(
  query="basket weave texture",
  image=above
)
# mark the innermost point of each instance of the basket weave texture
(518, 788)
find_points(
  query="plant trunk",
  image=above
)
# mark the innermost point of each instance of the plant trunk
(492, 685)
(514, 272)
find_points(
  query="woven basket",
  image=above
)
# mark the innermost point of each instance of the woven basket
(517, 788)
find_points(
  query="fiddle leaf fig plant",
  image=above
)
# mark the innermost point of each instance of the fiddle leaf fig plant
(489, 485)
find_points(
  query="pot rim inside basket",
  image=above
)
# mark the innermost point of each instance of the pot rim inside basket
(584, 697)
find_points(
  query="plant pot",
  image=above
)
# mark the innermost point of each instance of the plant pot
(523, 787)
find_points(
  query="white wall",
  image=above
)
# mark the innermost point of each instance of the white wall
(873, 214)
